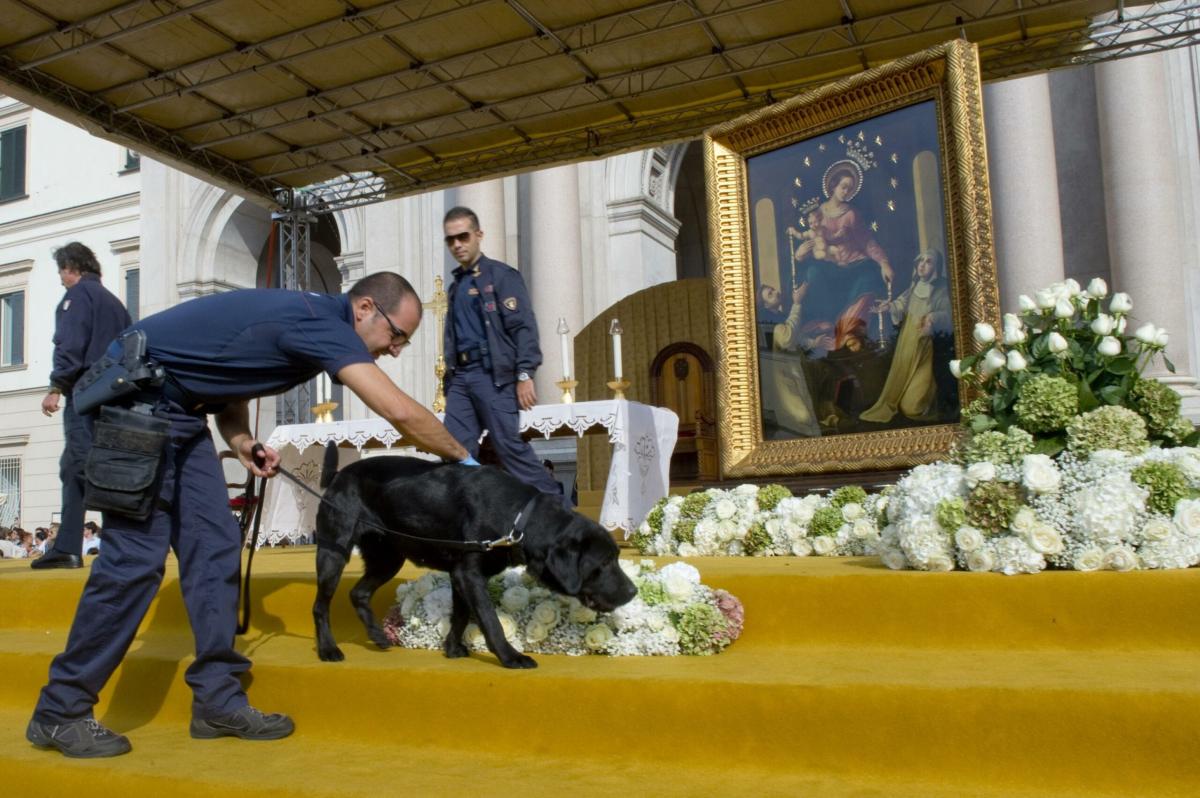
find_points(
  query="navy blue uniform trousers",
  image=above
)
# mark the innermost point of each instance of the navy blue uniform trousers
(77, 434)
(473, 404)
(129, 569)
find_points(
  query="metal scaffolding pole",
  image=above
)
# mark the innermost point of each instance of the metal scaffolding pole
(294, 223)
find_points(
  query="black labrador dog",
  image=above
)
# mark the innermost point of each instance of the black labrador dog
(383, 504)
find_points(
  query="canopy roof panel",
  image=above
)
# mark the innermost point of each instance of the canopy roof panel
(383, 98)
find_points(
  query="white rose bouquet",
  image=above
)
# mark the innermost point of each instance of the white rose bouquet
(673, 614)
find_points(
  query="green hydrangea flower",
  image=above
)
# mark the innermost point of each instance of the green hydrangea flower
(1000, 448)
(992, 505)
(1047, 404)
(1109, 427)
(979, 406)
(771, 495)
(694, 504)
(1166, 483)
(641, 540)
(826, 521)
(698, 625)
(850, 494)
(758, 539)
(655, 517)
(1156, 403)
(495, 588)
(1178, 431)
(684, 530)
(651, 592)
(951, 514)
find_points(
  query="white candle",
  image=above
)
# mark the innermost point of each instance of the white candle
(617, 355)
(562, 336)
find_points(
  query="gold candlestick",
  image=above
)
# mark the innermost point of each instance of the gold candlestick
(324, 412)
(567, 386)
(438, 305)
(618, 388)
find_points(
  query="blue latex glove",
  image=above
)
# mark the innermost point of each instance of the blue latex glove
(469, 461)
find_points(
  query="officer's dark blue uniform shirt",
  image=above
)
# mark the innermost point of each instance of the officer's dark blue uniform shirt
(467, 313)
(250, 343)
(87, 320)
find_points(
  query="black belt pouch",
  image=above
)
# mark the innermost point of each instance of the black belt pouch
(124, 466)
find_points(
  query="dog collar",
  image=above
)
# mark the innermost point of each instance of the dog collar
(517, 533)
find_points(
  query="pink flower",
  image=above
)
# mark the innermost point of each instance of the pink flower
(392, 625)
(734, 612)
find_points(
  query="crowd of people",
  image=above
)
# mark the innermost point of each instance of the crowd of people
(19, 544)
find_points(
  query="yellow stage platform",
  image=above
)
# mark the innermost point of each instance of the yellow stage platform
(849, 680)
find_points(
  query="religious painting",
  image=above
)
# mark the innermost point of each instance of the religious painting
(854, 259)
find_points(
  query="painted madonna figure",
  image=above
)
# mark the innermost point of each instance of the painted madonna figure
(848, 273)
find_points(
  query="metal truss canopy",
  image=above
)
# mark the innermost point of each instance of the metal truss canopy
(382, 98)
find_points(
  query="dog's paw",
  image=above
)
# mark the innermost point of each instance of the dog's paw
(379, 638)
(333, 654)
(454, 649)
(520, 661)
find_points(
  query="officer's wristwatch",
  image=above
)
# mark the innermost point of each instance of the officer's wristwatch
(522, 376)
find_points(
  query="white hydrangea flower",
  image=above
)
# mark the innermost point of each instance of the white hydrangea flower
(1015, 556)
(515, 599)
(894, 559)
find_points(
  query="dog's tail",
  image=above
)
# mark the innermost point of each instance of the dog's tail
(329, 465)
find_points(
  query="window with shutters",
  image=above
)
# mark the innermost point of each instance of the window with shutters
(12, 163)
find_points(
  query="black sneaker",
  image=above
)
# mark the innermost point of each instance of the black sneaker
(84, 738)
(247, 723)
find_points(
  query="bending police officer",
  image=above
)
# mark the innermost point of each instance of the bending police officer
(87, 320)
(218, 353)
(491, 341)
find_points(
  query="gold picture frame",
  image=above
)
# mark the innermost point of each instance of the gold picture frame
(805, 374)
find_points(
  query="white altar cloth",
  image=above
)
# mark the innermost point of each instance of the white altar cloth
(642, 438)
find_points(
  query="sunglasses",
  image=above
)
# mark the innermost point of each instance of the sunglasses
(461, 238)
(397, 333)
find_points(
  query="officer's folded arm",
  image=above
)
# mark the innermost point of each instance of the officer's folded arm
(420, 427)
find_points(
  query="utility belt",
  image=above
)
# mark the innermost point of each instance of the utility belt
(469, 356)
(123, 473)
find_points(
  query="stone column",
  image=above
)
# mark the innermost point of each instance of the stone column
(555, 276)
(1024, 178)
(1142, 200)
(487, 200)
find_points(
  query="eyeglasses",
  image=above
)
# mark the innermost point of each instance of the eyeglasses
(461, 238)
(397, 333)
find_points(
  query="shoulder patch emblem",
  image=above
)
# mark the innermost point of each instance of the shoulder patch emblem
(472, 291)
(511, 303)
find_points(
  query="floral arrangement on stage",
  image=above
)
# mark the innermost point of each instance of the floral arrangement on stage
(750, 520)
(1072, 458)
(672, 614)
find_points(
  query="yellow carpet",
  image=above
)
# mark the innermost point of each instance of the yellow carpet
(849, 680)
